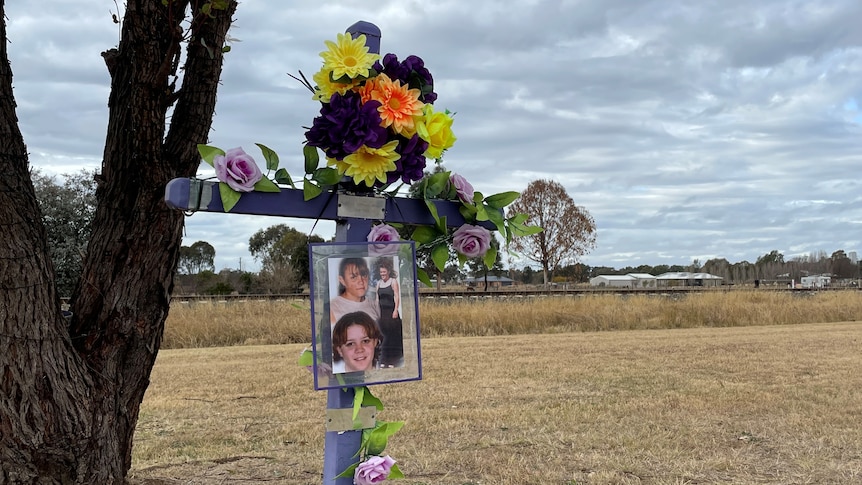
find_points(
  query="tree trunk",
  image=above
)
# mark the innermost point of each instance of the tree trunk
(44, 407)
(71, 395)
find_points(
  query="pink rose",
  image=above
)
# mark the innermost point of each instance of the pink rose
(472, 241)
(462, 188)
(237, 169)
(373, 470)
(383, 233)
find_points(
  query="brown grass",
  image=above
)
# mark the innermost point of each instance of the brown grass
(216, 324)
(746, 405)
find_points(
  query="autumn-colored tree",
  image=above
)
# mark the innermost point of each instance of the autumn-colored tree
(71, 391)
(569, 230)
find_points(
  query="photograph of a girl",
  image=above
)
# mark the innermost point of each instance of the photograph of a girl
(355, 343)
(365, 317)
(389, 302)
(352, 296)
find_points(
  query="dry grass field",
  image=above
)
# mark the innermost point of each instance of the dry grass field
(754, 404)
(217, 324)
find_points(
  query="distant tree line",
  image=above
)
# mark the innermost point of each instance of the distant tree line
(68, 204)
(769, 268)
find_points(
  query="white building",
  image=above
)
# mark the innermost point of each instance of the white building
(816, 281)
(613, 281)
(685, 278)
(631, 280)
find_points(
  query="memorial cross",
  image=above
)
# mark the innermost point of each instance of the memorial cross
(354, 214)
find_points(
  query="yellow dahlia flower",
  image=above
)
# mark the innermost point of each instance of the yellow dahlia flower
(348, 57)
(325, 88)
(368, 164)
(435, 128)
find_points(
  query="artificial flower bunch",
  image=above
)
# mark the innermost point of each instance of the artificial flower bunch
(377, 123)
(377, 126)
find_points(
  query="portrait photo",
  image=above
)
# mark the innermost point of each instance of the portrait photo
(365, 322)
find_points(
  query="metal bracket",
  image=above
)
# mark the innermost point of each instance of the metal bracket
(341, 419)
(361, 207)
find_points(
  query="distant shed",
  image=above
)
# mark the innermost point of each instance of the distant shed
(685, 278)
(614, 281)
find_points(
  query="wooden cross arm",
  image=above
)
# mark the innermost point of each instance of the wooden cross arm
(199, 195)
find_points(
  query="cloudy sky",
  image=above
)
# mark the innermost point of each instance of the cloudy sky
(689, 130)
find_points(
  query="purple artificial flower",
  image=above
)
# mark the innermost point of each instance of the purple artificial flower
(411, 166)
(411, 72)
(383, 233)
(345, 124)
(472, 241)
(237, 169)
(374, 470)
(462, 188)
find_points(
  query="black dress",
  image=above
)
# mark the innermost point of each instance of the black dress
(392, 348)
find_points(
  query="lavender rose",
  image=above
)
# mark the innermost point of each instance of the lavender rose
(472, 241)
(237, 169)
(462, 188)
(373, 470)
(383, 233)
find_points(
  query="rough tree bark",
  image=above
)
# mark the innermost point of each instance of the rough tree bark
(70, 392)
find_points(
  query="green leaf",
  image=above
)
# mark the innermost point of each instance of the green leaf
(432, 208)
(309, 190)
(423, 278)
(229, 197)
(219, 4)
(436, 184)
(425, 234)
(306, 358)
(496, 216)
(490, 258)
(379, 437)
(282, 177)
(395, 472)
(518, 218)
(312, 158)
(266, 185)
(481, 213)
(441, 225)
(225, 49)
(269, 155)
(440, 254)
(468, 212)
(208, 153)
(372, 400)
(376, 443)
(498, 201)
(522, 230)
(461, 259)
(357, 402)
(349, 471)
(327, 176)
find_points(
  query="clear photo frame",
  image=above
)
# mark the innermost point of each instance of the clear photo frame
(364, 314)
